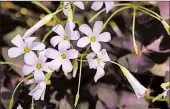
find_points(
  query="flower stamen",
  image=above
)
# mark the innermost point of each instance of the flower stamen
(65, 37)
(92, 38)
(26, 49)
(38, 66)
(63, 56)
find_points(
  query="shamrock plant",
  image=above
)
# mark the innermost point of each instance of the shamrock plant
(64, 53)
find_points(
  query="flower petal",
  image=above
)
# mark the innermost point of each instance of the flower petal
(97, 5)
(15, 52)
(65, 10)
(82, 42)
(63, 45)
(92, 63)
(139, 89)
(103, 55)
(59, 29)
(46, 67)
(72, 54)
(30, 58)
(75, 36)
(27, 69)
(100, 73)
(79, 4)
(39, 75)
(52, 53)
(42, 56)
(55, 40)
(109, 5)
(104, 37)
(86, 30)
(55, 64)
(37, 46)
(96, 47)
(67, 66)
(97, 27)
(69, 28)
(19, 106)
(29, 40)
(43, 94)
(18, 41)
(91, 55)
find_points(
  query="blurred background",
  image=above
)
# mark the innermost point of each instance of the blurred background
(112, 91)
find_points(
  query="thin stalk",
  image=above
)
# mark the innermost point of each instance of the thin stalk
(116, 5)
(42, 6)
(78, 90)
(114, 13)
(12, 97)
(133, 31)
(32, 104)
(152, 97)
(10, 63)
(45, 37)
(96, 15)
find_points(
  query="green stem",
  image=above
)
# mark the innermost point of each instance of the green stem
(152, 97)
(143, 8)
(45, 37)
(133, 31)
(82, 60)
(12, 97)
(32, 104)
(115, 12)
(166, 26)
(116, 5)
(42, 6)
(96, 15)
(78, 95)
(10, 63)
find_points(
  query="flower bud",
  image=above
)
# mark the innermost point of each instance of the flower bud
(39, 24)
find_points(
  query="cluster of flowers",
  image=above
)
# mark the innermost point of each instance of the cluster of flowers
(37, 64)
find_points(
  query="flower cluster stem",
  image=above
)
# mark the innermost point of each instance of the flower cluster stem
(10, 63)
(12, 97)
(133, 31)
(78, 90)
(114, 13)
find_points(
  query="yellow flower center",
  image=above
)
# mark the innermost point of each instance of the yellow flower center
(92, 38)
(63, 56)
(65, 37)
(26, 49)
(98, 60)
(38, 66)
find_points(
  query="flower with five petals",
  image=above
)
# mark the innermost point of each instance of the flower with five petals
(93, 37)
(61, 58)
(25, 47)
(64, 35)
(38, 67)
